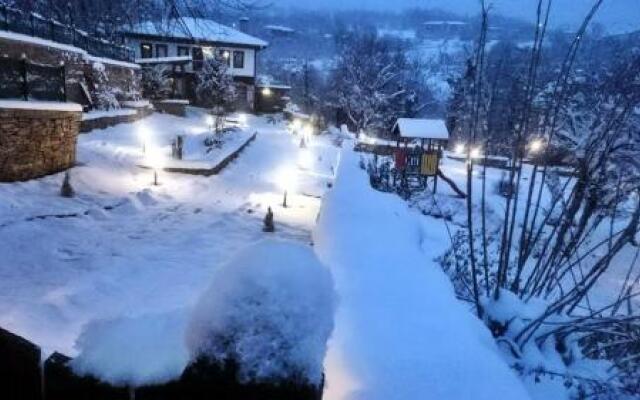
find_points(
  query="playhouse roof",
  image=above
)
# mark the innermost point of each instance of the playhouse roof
(416, 128)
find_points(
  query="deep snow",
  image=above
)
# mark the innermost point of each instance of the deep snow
(125, 249)
(400, 331)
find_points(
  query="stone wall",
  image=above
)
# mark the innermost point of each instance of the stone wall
(108, 121)
(34, 143)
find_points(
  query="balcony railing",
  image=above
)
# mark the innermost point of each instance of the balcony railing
(32, 24)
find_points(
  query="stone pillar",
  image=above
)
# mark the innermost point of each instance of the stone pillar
(35, 143)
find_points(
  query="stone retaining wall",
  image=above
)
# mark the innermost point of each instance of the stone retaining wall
(178, 109)
(108, 121)
(34, 143)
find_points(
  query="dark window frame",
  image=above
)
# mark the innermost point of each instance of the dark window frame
(143, 48)
(162, 46)
(238, 62)
(197, 55)
(183, 51)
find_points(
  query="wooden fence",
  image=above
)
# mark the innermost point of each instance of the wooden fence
(24, 377)
(21, 79)
(32, 24)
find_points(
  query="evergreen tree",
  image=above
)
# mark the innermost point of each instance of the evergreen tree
(67, 190)
(215, 87)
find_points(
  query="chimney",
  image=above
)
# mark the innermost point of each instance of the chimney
(243, 24)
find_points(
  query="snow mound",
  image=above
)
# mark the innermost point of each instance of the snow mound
(133, 351)
(270, 310)
(400, 331)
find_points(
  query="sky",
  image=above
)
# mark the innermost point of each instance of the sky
(616, 15)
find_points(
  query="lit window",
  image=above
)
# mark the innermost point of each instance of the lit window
(146, 50)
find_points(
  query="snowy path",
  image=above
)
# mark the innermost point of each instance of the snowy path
(156, 250)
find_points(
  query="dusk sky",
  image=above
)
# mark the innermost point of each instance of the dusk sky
(616, 15)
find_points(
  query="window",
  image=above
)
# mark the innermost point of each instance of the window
(238, 59)
(146, 50)
(161, 50)
(197, 56)
(183, 51)
(224, 56)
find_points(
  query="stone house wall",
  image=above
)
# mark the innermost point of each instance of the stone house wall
(34, 143)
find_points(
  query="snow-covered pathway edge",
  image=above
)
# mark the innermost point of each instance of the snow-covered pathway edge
(400, 332)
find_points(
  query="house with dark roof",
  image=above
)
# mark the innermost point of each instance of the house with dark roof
(181, 44)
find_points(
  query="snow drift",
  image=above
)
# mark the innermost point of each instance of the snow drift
(270, 310)
(400, 331)
(133, 351)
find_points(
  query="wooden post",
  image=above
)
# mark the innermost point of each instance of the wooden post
(25, 83)
(63, 70)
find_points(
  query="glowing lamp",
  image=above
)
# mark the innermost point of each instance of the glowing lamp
(143, 137)
(305, 159)
(286, 179)
(536, 145)
(460, 147)
(475, 152)
(155, 160)
(266, 92)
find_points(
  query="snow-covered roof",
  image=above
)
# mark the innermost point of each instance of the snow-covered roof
(279, 28)
(273, 86)
(445, 23)
(422, 128)
(199, 29)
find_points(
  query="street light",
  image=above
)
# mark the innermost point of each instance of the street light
(143, 136)
(536, 145)
(242, 119)
(155, 160)
(475, 152)
(210, 121)
(296, 124)
(305, 159)
(286, 180)
(460, 147)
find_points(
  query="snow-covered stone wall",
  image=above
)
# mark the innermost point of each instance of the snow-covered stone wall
(37, 141)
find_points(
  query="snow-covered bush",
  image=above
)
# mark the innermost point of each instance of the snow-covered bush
(156, 83)
(133, 351)
(269, 311)
(103, 93)
(215, 87)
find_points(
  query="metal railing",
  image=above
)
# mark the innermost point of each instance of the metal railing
(20, 79)
(32, 24)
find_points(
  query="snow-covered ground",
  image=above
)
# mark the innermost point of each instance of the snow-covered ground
(400, 331)
(104, 272)
(123, 248)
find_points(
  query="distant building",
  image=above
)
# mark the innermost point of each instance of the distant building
(279, 31)
(272, 97)
(183, 43)
(442, 29)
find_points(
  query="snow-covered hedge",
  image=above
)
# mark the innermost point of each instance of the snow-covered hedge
(270, 310)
